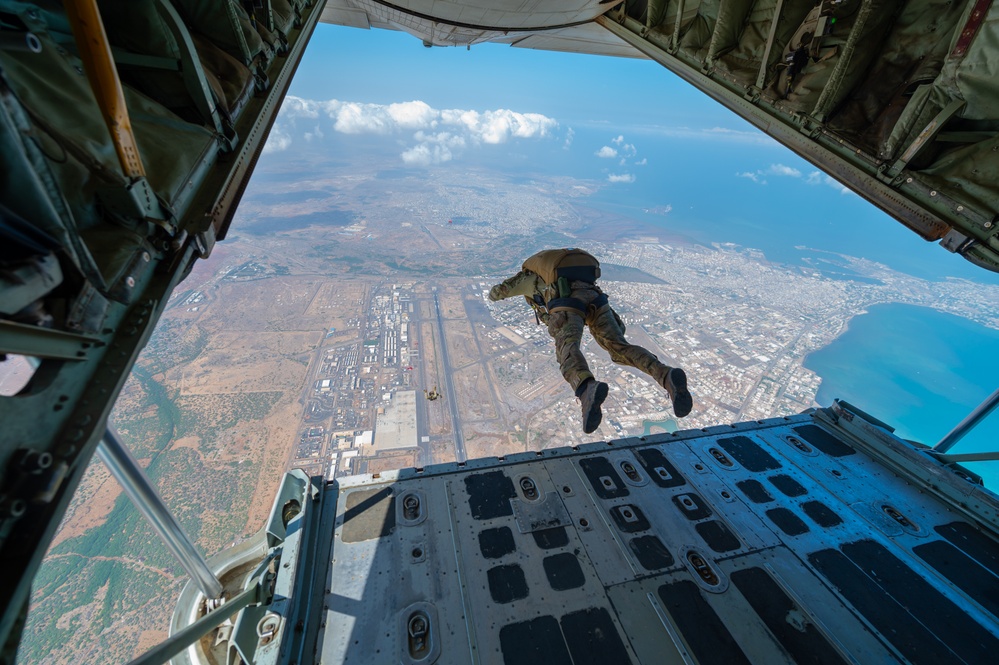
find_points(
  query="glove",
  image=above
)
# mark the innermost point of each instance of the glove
(496, 293)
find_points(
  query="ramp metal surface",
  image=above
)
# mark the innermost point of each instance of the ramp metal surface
(817, 538)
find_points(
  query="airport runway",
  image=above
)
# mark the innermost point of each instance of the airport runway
(459, 442)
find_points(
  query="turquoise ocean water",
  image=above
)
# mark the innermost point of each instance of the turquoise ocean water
(919, 370)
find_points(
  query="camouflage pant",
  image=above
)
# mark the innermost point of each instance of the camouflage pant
(566, 328)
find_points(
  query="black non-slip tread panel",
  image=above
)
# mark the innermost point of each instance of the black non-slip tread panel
(368, 514)
(964, 636)
(787, 521)
(563, 571)
(824, 441)
(754, 491)
(787, 485)
(821, 514)
(805, 643)
(705, 634)
(916, 644)
(972, 542)
(717, 536)
(548, 539)
(507, 583)
(651, 552)
(913, 640)
(598, 468)
(963, 571)
(489, 494)
(593, 639)
(494, 543)
(535, 641)
(651, 459)
(749, 454)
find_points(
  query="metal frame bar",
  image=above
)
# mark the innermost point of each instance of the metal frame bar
(25, 340)
(173, 645)
(190, 66)
(761, 77)
(122, 465)
(969, 457)
(971, 420)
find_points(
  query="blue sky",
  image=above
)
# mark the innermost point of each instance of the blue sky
(382, 67)
(724, 180)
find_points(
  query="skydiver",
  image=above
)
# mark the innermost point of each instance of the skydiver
(560, 284)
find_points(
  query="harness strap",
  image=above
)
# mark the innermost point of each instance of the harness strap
(562, 304)
(538, 304)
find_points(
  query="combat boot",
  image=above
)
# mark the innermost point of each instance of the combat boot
(675, 384)
(593, 395)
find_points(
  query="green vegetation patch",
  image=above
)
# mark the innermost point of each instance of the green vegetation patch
(208, 416)
(174, 342)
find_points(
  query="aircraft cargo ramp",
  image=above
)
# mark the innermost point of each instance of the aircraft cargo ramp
(818, 538)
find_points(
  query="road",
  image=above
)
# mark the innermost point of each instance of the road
(418, 380)
(459, 441)
(766, 374)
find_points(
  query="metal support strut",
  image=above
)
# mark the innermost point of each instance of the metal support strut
(968, 424)
(133, 480)
(163, 652)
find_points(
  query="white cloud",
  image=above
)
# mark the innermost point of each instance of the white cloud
(782, 170)
(624, 150)
(819, 178)
(409, 115)
(755, 176)
(569, 135)
(316, 133)
(759, 176)
(425, 154)
(642, 162)
(812, 178)
(438, 134)
(299, 108)
(624, 177)
(278, 140)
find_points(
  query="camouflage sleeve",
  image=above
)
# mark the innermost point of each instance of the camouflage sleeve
(524, 283)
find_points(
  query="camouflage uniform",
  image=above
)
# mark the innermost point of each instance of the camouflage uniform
(566, 327)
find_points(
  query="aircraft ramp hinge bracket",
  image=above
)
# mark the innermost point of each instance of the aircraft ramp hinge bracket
(204, 241)
(808, 125)
(752, 94)
(885, 175)
(136, 200)
(955, 241)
